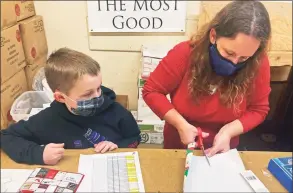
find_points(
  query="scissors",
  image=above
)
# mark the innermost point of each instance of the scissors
(200, 143)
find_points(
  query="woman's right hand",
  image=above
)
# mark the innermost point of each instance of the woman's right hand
(188, 132)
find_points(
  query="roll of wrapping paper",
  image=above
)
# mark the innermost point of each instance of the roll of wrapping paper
(189, 154)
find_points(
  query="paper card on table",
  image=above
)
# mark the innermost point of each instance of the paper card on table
(51, 174)
(73, 178)
(43, 186)
(59, 189)
(35, 172)
(67, 190)
(44, 180)
(34, 180)
(60, 175)
(63, 184)
(39, 190)
(51, 188)
(222, 176)
(34, 187)
(51, 182)
(42, 172)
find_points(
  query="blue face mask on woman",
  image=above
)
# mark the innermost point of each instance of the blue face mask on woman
(222, 66)
(88, 107)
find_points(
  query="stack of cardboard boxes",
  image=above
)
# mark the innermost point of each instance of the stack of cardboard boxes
(150, 124)
(23, 51)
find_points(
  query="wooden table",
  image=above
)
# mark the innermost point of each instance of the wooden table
(163, 169)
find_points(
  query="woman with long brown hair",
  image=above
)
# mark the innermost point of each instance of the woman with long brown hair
(218, 81)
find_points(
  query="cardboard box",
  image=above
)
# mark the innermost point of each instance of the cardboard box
(12, 55)
(3, 122)
(24, 9)
(144, 112)
(151, 130)
(280, 73)
(123, 100)
(8, 16)
(152, 138)
(10, 90)
(151, 125)
(31, 70)
(34, 38)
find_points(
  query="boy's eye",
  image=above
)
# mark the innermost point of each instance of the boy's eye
(87, 95)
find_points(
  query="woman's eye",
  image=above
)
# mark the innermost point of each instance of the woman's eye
(243, 59)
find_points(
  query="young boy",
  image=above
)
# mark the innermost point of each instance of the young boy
(83, 115)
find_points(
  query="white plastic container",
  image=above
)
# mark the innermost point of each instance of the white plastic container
(47, 89)
(23, 105)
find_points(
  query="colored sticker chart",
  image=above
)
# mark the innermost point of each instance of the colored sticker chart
(121, 174)
(111, 172)
(50, 180)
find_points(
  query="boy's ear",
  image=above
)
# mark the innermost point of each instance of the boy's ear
(59, 97)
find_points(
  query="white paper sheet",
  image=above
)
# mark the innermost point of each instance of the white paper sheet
(13, 179)
(113, 172)
(222, 176)
(156, 51)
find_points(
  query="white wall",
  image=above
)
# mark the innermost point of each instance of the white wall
(66, 26)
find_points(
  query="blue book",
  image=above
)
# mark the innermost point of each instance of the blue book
(281, 168)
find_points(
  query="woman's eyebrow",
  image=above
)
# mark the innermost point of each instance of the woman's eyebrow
(232, 52)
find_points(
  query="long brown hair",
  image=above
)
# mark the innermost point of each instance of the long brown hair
(248, 17)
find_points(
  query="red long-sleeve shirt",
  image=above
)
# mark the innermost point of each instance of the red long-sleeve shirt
(170, 77)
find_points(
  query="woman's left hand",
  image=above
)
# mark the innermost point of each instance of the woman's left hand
(221, 144)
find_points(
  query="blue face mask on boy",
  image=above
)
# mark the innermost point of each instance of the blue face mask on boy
(88, 107)
(222, 66)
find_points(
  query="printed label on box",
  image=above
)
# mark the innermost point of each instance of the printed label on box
(156, 138)
(141, 82)
(152, 138)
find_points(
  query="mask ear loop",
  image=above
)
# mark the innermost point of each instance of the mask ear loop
(65, 96)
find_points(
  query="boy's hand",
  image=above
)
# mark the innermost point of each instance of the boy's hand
(53, 152)
(105, 146)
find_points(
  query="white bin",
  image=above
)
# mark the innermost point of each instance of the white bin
(22, 106)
